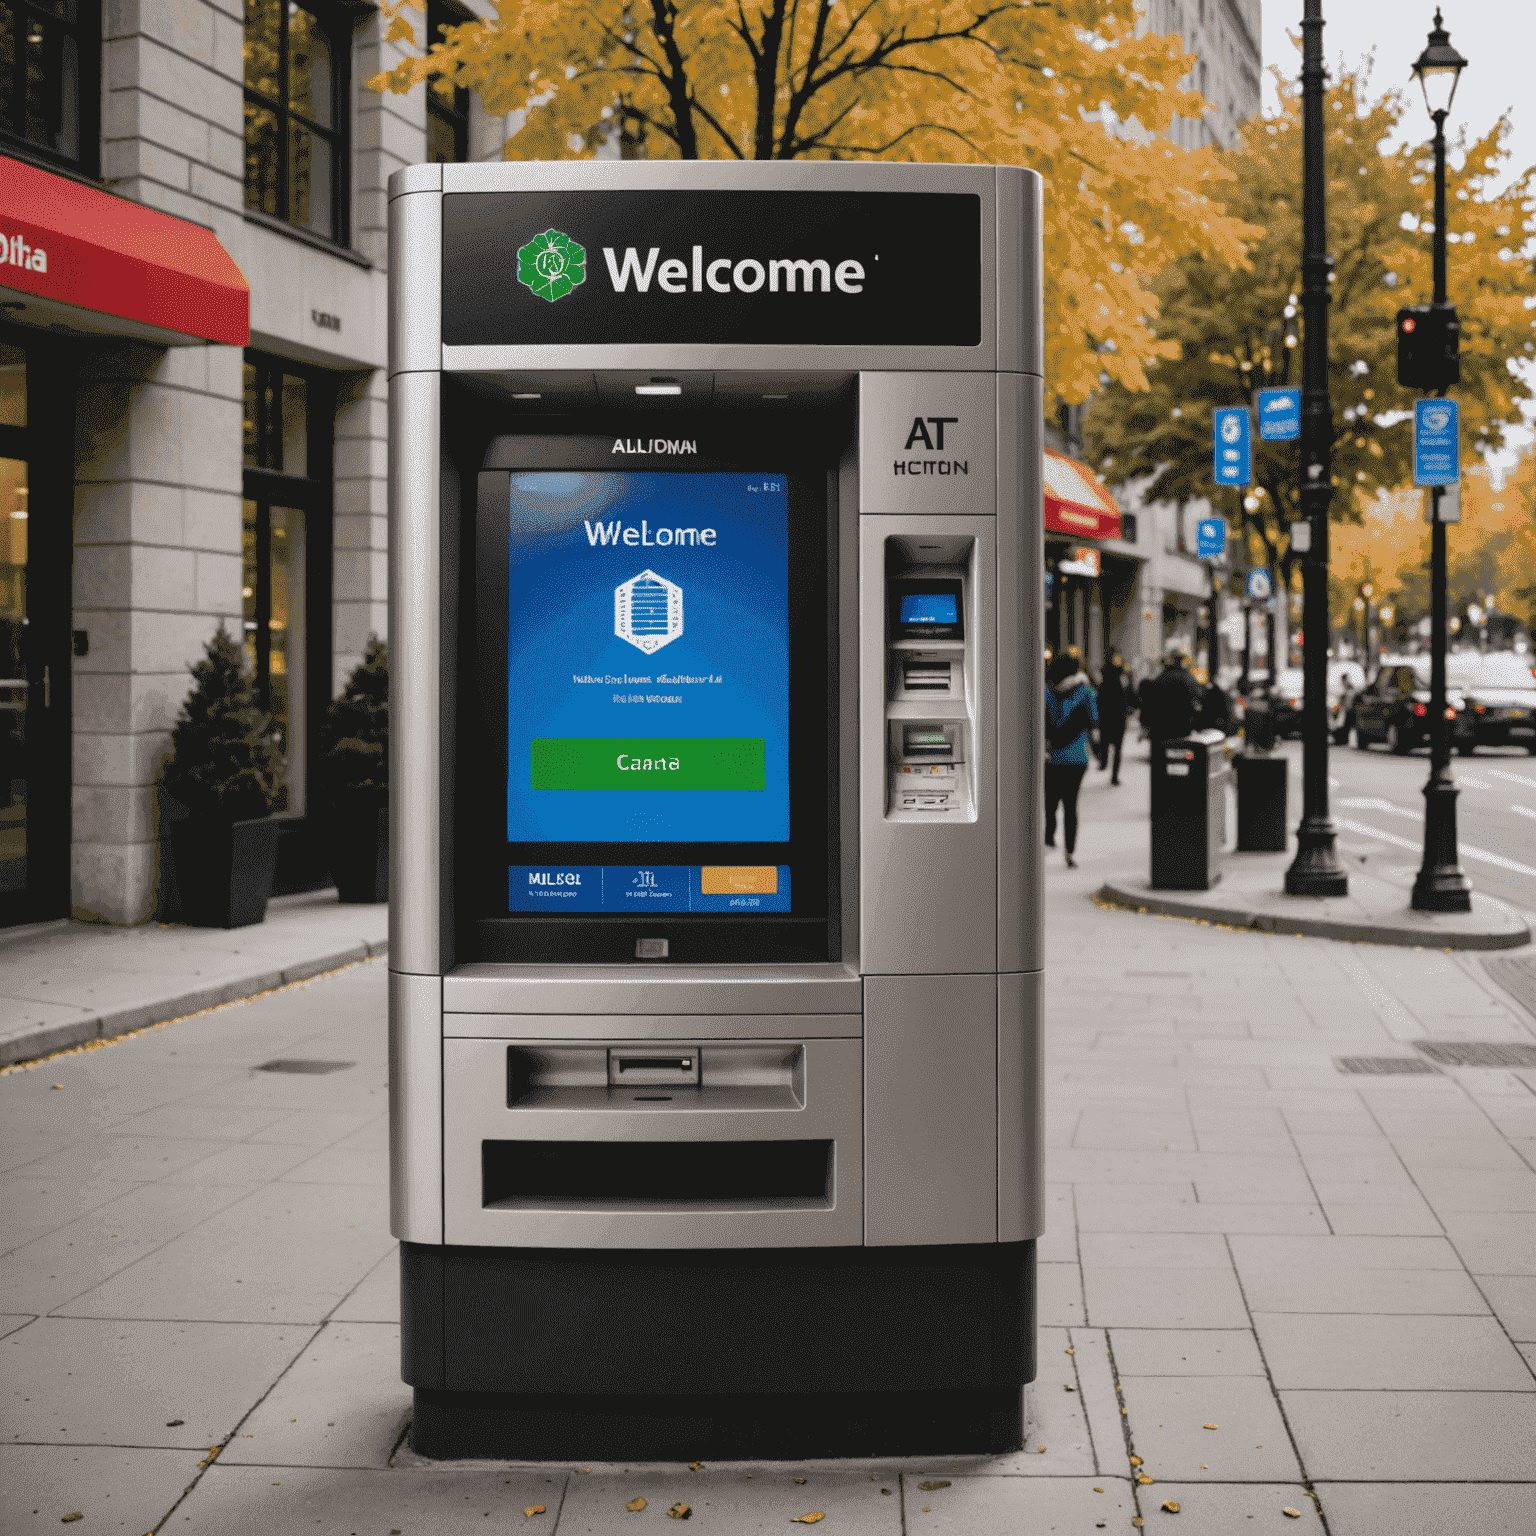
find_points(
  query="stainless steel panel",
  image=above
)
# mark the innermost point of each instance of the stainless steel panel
(928, 891)
(416, 178)
(1020, 645)
(930, 1110)
(652, 1026)
(1020, 1107)
(484, 987)
(475, 1110)
(848, 690)
(416, 283)
(1020, 262)
(900, 472)
(415, 1108)
(415, 751)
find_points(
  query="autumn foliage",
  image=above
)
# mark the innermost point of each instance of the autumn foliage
(1064, 87)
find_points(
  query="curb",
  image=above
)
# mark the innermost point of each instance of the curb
(1346, 931)
(46, 1039)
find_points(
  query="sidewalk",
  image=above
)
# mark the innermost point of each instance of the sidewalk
(64, 984)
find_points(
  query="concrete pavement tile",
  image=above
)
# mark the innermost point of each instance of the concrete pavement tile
(1529, 1351)
(329, 1501)
(221, 1123)
(124, 1491)
(1059, 1297)
(1257, 1146)
(1203, 1218)
(1101, 1402)
(1167, 1419)
(731, 1501)
(1513, 1299)
(1464, 1191)
(1035, 1504)
(31, 1208)
(332, 1165)
(18, 1151)
(242, 1162)
(1414, 1436)
(1438, 1152)
(1256, 1256)
(340, 1404)
(285, 1253)
(48, 1272)
(1219, 1509)
(129, 1160)
(1114, 1130)
(313, 1128)
(74, 1381)
(1163, 1298)
(1377, 1291)
(1154, 1250)
(1295, 1190)
(1186, 1352)
(1158, 1193)
(11, 1321)
(1426, 1509)
(1402, 1354)
(1314, 1144)
(1393, 1220)
(377, 1296)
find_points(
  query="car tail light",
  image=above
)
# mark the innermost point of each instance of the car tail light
(1480, 708)
(1450, 712)
(1294, 703)
(1421, 710)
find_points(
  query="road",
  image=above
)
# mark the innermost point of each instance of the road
(1378, 805)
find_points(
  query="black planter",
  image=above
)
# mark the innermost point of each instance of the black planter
(224, 870)
(359, 851)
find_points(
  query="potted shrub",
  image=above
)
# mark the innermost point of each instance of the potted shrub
(354, 778)
(225, 771)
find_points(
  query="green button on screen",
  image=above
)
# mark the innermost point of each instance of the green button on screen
(665, 762)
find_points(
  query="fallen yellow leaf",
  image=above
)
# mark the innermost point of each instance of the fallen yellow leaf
(799, 1479)
(1211, 1426)
(1171, 1505)
(1295, 1514)
(1142, 1477)
(1067, 1387)
(636, 1504)
(679, 1512)
(64, 1520)
(69, 1517)
(1135, 1461)
(695, 1466)
(810, 1519)
(938, 1482)
(530, 1510)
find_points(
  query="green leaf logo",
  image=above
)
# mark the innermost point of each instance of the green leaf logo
(551, 264)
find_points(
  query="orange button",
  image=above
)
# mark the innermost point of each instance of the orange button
(739, 880)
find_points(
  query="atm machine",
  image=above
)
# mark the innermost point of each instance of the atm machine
(715, 949)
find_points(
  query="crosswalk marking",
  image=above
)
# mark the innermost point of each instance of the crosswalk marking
(1481, 855)
(1513, 778)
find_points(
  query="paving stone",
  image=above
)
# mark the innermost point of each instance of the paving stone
(1163, 1298)
(112, 1488)
(1427, 1509)
(1259, 1255)
(1513, 1299)
(1493, 1245)
(1186, 1352)
(1167, 1419)
(1154, 1250)
(1221, 1509)
(1034, 1504)
(1371, 1291)
(1058, 1295)
(1447, 1354)
(1414, 1436)
(377, 1296)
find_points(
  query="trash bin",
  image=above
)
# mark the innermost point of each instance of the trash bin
(1261, 802)
(1258, 722)
(1190, 778)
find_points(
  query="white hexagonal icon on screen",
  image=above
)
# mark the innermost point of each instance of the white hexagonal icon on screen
(648, 611)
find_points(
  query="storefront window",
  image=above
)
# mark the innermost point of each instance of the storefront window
(295, 114)
(13, 386)
(49, 77)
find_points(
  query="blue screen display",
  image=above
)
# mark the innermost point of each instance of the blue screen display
(929, 608)
(648, 658)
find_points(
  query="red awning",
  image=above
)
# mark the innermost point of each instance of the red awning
(1075, 503)
(65, 244)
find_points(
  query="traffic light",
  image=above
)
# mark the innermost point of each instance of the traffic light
(1428, 347)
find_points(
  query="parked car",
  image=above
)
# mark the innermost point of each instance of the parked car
(1286, 696)
(1500, 700)
(1394, 710)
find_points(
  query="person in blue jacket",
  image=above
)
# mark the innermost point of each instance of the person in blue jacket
(1071, 712)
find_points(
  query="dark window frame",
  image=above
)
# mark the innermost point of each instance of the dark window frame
(85, 31)
(454, 115)
(336, 22)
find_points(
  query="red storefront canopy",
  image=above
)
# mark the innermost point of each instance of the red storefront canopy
(1075, 503)
(66, 244)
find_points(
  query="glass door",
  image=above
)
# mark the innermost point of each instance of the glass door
(15, 679)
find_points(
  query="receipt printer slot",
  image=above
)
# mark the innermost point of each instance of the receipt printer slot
(628, 1068)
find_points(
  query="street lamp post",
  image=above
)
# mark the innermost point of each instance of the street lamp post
(1315, 871)
(1440, 885)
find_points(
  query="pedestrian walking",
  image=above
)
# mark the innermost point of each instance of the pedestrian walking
(1071, 712)
(1170, 702)
(1215, 709)
(1113, 704)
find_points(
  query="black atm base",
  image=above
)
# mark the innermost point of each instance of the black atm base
(841, 1352)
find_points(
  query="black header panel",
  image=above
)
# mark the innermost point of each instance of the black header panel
(754, 268)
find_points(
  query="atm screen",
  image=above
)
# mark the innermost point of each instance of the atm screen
(929, 608)
(648, 681)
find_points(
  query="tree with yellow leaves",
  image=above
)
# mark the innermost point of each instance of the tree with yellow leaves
(1065, 87)
(1236, 329)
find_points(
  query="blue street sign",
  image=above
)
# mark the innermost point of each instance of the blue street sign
(1211, 538)
(1436, 442)
(1279, 415)
(1230, 446)
(1261, 586)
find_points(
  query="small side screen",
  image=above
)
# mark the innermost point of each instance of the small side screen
(929, 608)
(926, 608)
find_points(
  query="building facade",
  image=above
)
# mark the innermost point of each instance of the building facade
(159, 484)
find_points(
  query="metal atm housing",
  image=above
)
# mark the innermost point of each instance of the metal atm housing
(722, 1135)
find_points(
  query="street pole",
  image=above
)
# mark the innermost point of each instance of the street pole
(1315, 871)
(1440, 885)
